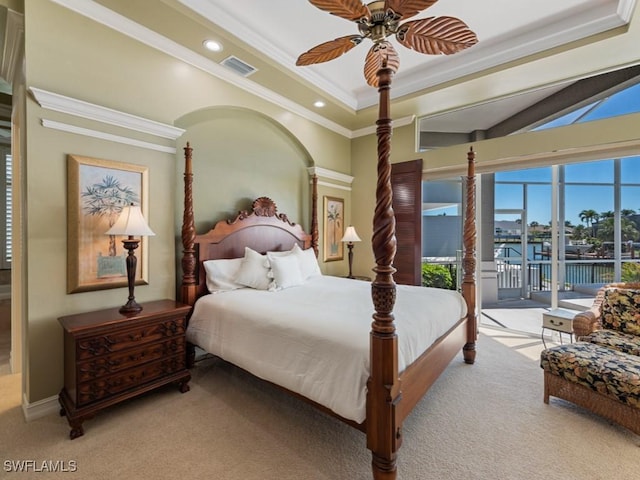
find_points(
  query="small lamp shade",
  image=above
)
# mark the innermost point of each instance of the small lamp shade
(131, 222)
(350, 235)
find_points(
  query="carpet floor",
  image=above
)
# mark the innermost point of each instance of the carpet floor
(481, 422)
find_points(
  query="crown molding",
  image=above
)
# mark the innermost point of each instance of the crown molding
(240, 29)
(578, 24)
(331, 175)
(13, 43)
(115, 21)
(90, 111)
(65, 127)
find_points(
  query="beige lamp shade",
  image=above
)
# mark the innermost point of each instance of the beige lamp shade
(350, 235)
(131, 223)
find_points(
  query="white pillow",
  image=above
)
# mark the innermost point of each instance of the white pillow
(254, 271)
(286, 271)
(308, 262)
(221, 274)
(282, 253)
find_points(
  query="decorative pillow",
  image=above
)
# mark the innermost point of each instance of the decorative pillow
(621, 310)
(221, 274)
(254, 271)
(286, 271)
(308, 262)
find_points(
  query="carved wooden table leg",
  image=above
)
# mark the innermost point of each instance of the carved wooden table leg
(184, 385)
(76, 428)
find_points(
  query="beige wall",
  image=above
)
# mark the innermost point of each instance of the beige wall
(74, 56)
(90, 62)
(364, 160)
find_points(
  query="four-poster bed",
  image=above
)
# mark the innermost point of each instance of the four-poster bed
(394, 383)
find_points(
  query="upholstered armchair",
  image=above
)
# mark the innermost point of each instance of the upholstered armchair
(614, 318)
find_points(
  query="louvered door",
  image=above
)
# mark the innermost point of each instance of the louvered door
(406, 181)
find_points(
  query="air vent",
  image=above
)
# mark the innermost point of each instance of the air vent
(238, 66)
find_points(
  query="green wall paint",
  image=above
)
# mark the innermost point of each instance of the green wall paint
(246, 147)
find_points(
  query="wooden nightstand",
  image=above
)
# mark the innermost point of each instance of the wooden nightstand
(110, 357)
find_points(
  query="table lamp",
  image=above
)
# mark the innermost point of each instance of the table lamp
(132, 224)
(350, 236)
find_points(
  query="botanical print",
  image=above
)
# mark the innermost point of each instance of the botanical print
(99, 189)
(333, 228)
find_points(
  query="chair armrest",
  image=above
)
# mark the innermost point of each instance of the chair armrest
(586, 322)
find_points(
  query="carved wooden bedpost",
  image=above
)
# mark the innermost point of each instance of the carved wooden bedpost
(469, 261)
(314, 213)
(188, 288)
(383, 388)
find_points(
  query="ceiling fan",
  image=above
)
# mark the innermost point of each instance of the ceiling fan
(380, 19)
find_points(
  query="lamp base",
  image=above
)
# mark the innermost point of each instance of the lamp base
(131, 307)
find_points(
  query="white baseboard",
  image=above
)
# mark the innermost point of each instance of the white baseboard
(39, 409)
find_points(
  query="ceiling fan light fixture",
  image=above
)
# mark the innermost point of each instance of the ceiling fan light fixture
(212, 45)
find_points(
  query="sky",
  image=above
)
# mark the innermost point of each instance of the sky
(588, 186)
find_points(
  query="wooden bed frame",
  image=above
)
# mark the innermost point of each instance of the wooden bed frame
(391, 395)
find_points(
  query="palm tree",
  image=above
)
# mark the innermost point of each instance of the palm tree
(589, 217)
(106, 199)
(626, 212)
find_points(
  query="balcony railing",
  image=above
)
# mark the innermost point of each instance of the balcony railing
(538, 273)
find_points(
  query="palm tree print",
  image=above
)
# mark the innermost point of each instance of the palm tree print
(106, 199)
(334, 222)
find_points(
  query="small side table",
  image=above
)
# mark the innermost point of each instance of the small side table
(558, 320)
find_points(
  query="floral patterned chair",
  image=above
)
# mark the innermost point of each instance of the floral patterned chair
(614, 318)
(601, 371)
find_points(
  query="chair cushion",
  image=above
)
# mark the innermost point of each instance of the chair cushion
(604, 370)
(621, 310)
(622, 342)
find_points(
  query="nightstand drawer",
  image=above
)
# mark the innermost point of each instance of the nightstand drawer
(558, 320)
(132, 378)
(115, 362)
(118, 341)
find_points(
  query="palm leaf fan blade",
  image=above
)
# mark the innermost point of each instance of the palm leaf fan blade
(352, 10)
(380, 55)
(436, 35)
(408, 8)
(329, 50)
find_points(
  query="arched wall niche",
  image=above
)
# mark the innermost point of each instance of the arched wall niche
(239, 155)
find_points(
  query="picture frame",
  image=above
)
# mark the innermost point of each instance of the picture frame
(333, 231)
(97, 190)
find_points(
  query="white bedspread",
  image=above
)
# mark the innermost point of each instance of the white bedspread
(314, 339)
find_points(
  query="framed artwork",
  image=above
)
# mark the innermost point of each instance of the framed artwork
(333, 213)
(97, 192)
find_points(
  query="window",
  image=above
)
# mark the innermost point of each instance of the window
(5, 262)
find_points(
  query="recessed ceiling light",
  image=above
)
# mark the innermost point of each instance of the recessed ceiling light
(212, 45)
(319, 104)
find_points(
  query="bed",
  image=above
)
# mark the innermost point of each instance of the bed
(388, 371)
